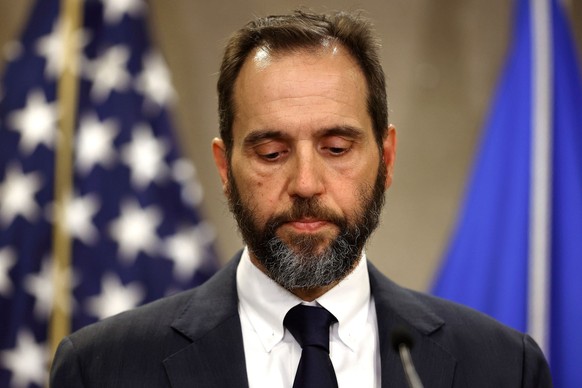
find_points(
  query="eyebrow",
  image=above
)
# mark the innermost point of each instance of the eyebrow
(343, 130)
(258, 136)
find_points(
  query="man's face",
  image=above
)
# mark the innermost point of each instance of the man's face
(306, 180)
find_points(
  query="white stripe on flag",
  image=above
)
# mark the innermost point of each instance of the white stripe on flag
(541, 179)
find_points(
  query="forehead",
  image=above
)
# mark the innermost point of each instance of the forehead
(299, 89)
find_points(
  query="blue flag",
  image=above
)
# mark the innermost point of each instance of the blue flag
(137, 232)
(515, 256)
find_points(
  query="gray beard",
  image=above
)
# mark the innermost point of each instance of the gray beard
(305, 269)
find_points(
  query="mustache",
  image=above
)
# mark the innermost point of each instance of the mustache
(305, 208)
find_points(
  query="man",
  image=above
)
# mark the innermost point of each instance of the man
(305, 155)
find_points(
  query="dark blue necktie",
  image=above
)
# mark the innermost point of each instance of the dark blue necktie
(310, 327)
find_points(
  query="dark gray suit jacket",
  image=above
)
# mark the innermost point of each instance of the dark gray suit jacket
(194, 339)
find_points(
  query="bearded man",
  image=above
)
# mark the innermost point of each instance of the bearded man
(305, 156)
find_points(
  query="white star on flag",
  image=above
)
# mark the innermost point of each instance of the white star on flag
(51, 46)
(135, 230)
(36, 122)
(78, 212)
(115, 297)
(186, 249)
(145, 157)
(41, 287)
(109, 72)
(154, 81)
(17, 195)
(95, 143)
(27, 361)
(7, 261)
(115, 9)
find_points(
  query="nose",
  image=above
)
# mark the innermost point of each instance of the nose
(306, 176)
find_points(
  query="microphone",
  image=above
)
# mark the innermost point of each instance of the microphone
(402, 342)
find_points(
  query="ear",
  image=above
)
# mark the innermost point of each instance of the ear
(389, 153)
(221, 160)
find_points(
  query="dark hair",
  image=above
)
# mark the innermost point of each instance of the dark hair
(284, 33)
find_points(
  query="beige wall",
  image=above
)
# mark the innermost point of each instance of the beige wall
(442, 59)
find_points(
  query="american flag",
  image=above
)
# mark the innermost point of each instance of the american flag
(134, 220)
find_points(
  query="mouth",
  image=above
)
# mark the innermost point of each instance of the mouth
(308, 225)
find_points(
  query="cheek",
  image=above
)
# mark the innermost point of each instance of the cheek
(256, 182)
(256, 192)
(253, 188)
(353, 189)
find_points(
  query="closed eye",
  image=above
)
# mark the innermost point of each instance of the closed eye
(336, 145)
(272, 156)
(337, 150)
(271, 151)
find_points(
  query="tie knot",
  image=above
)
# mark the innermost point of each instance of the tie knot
(310, 325)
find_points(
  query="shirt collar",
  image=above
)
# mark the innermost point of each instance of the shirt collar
(349, 302)
(266, 303)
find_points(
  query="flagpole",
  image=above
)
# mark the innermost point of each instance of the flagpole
(541, 174)
(67, 91)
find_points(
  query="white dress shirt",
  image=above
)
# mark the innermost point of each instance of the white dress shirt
(272, 354)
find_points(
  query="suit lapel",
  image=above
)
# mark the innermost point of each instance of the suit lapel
(398, 307)
(215, 356)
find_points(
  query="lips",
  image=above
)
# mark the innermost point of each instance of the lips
(308, 225)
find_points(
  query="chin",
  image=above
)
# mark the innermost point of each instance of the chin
(307, 243)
